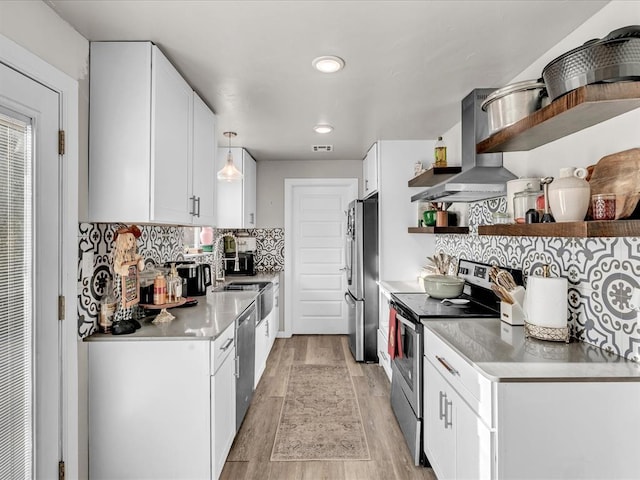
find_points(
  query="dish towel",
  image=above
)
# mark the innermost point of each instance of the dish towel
(395, 336)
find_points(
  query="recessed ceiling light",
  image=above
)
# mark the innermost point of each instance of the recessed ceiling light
(328, 64)
(323, 128)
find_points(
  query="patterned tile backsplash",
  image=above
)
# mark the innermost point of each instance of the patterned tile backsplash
(157, 245)
(601, 272)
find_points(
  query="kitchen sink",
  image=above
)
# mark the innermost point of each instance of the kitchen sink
(265, 298)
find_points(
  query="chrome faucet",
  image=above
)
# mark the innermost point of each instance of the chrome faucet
(218, 255)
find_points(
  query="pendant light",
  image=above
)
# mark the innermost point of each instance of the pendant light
(229, 173)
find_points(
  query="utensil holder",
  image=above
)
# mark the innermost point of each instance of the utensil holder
(512, 313)
(553, 334)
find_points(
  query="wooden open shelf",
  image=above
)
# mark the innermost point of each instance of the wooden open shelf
(433, 176)
(438, 229)
(613, 228)
(575, 111)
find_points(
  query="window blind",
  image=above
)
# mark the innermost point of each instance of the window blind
(16, 299)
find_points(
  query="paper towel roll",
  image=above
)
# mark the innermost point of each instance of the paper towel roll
(546, 302)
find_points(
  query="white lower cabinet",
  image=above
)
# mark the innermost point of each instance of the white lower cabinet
(526, 429)
(263, 345)
(457, 442)
(149, 409)
(223, 411)
(161, 409)
(274, 324)
(383, 331)
(383, 352)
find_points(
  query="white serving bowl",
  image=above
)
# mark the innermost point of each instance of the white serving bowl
(443, 286)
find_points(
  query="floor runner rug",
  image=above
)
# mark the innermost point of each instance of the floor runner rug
(320, 417)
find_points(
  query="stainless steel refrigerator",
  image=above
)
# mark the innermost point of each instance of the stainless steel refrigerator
(361, 271)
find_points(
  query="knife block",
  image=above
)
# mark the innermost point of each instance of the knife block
(512, 313)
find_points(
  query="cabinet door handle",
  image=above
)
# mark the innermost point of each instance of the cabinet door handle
(226, 345)
(446, 365)
(252, 218)
(266, 332)
(443, 396)
(237, 369)
(198, 203)
(448, 420)
(366, 185)
(193, 205)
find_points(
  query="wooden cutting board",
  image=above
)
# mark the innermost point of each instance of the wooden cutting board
(619, 173)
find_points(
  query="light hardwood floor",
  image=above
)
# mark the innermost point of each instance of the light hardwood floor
(250, 454)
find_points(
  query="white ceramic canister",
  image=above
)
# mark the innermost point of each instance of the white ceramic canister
(518, 185)
(569, 195)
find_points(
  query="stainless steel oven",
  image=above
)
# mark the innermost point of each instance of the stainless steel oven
(406, 384)
(411, 310)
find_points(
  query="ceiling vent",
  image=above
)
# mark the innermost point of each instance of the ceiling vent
(322, 148)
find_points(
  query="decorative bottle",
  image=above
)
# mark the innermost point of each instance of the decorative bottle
(440, 154)
(160, 290)
(108, 305)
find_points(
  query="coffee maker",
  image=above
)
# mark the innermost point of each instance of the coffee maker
(197, 277)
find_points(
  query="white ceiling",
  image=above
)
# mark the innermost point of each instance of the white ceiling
(408, 63)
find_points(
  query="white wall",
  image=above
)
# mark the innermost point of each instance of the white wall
(587, 146)
(270, 183)
(35, 27)
(402, 254)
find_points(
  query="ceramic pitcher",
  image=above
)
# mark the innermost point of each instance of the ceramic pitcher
(569, 195)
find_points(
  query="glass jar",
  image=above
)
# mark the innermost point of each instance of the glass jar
(440, 154)
(524, 201)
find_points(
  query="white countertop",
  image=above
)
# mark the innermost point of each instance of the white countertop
(401, 286)
(501, 353)
(205, 321)
(213, 314)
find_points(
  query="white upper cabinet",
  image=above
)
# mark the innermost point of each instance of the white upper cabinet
(171, 148)
(236, 201)
(370, 172)
(204, 163)
(149, 139)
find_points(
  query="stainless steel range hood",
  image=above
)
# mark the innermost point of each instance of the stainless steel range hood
(483, 175)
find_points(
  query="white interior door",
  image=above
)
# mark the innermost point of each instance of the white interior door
(30, 278)
(315, 228)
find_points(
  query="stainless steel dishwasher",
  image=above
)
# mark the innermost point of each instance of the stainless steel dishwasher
(245, 361)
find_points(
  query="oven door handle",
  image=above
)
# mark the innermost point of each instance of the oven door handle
(406, 322)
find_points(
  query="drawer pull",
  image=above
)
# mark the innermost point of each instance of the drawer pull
(227, 344)
(449, 368)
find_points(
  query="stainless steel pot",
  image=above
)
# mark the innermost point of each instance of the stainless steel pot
(611, 59)
(509, 104)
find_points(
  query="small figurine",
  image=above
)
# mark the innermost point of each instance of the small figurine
(126, 250)
(126, 265)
